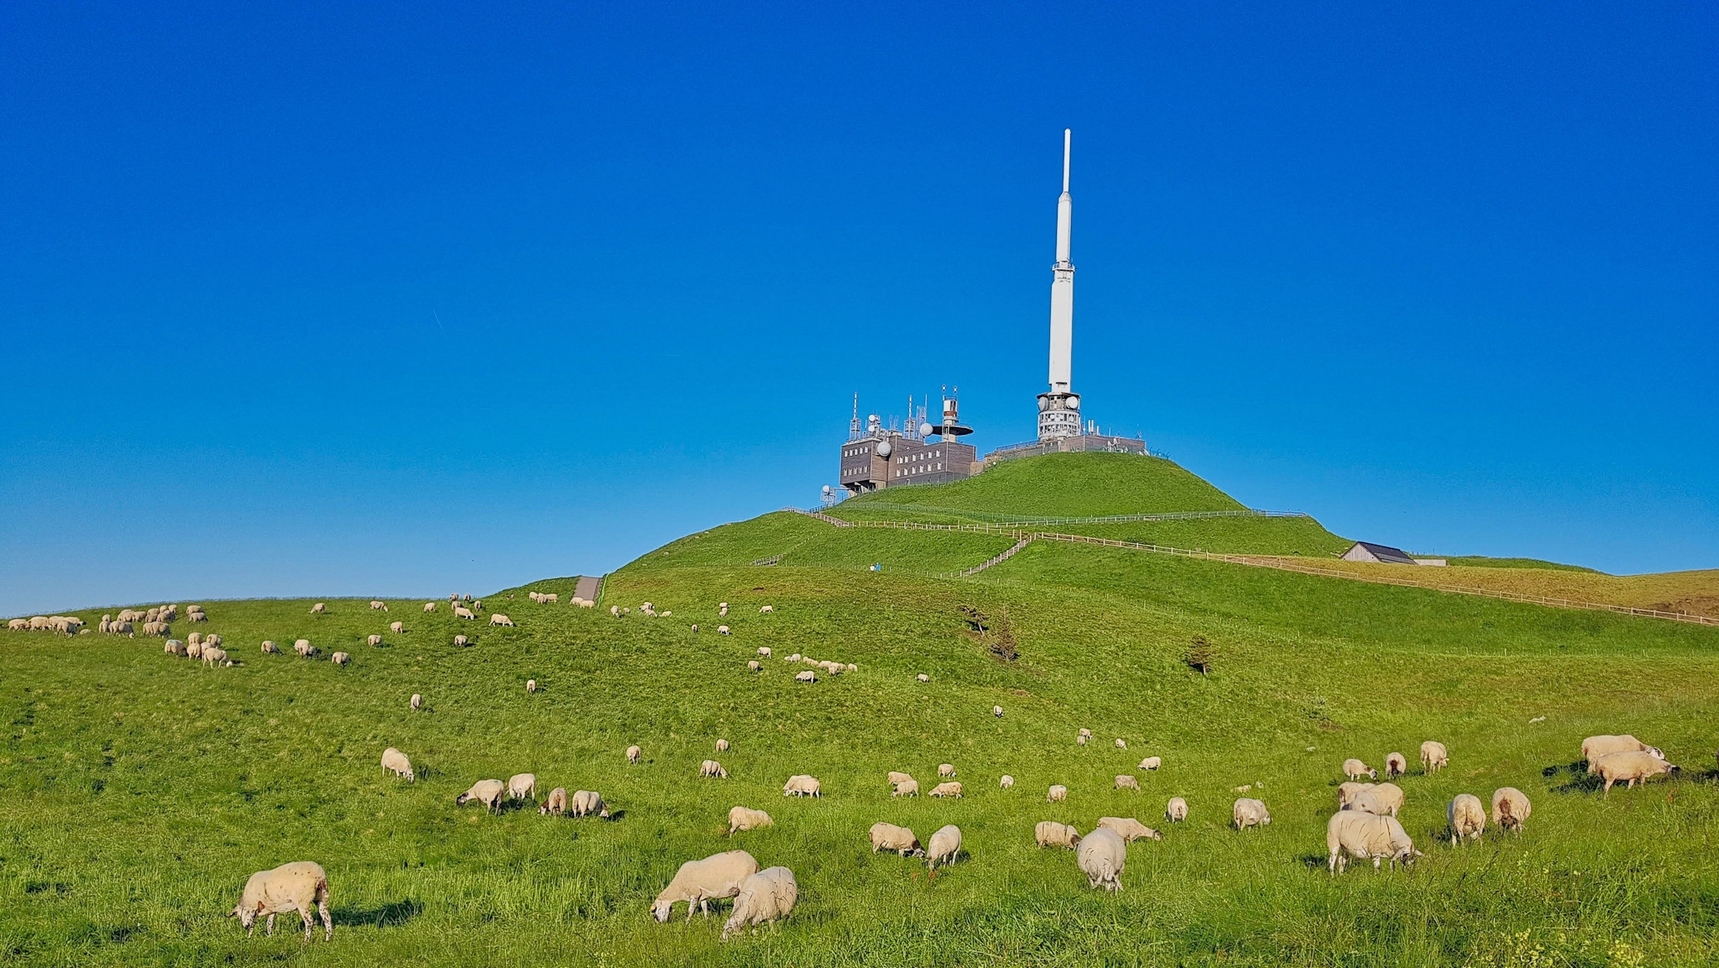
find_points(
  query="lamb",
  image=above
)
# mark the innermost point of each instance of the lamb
(807, 676)
(753, 666)
(588, 803)
(944, 845)
(1129, 829)
(522, 786)
(1396, 764)
(1384, 799)
(338, 658)
(555, 804)
(497, 618)
(429, 606)
(1595, 747)
(801, 785)
(949, 789)
(213, 657)
(745, 818)
(531, 685)
(295, 887)
(1631, 767)
(922, 677)
(1007, 782)
(1467, 816)
(887, 836)
(765, 896)
(1056, 794)
(1510, 809)
(269, 648)
(460, 611)
(304, 648)
(1176, 810)
(712, 768)
(634, 754)
(461, 641)
(1049, 833)
(374, 640)
(1248, 812)
(1434, 756)
(319, 608)
(1363, 835)
(417, 702)
(1355, 769)
(1151, 763)
(722, 746)
(396, 761)
(1101, 856)
(698, 882)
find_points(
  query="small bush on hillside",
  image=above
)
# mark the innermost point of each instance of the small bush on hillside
(1201, 655)
(1002, 640)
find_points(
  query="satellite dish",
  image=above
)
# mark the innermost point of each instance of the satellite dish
(925, 429)
(884, 450)
(826, 490)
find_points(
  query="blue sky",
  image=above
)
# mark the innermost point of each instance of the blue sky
(408, 299)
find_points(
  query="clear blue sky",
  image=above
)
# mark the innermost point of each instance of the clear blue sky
(408, 299)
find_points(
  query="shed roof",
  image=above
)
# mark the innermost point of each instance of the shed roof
(1386, 553)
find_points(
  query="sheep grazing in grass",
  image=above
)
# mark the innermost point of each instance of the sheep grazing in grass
(587, 803)
(1384, 800)
(176, 647)
(807, 676)
(1348, 791)
(1631, 767)
(531, 685)
(722, 746)
(460, 611)
(1101, 856)
(1126, 781)
(1056, 794)
(754, 666)
(906, 788)
(1176, 810)
(722, 630)
(304, 648)
(319, 608)
(490, 793)
(943, 847)
(269, 648)
(1249, 813)
(1121, 743)
(522, 786)
(338, 658)
(887, 836)
(1006, 782)
(634, 754)
(1510, 809)
(373, 640)
(461, 641)
(712, 768)
(1129, 829)
(216, 657)
(1467, 816)
(764, 897)
(764, 650)
(497, 618)
(949, 789)
(802, 785)
(555, 803)
(1354, 769)
(997, 711)
(1049, 833)
(396, 762)
(766, 610)
(417, 702)
(194, 650)
(1434, 756)
(1081, 739)
(896, 776)
(698, 882)
(1595, 747)
(922, 677)
(378, 606)
(429, 606)
(1363, 835)
(745, 818)
(1151, 763)
(299, 887)
(1396, 764)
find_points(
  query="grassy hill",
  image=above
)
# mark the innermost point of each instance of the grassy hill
(143, 789)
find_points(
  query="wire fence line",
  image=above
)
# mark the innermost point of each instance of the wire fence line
(1008, 519)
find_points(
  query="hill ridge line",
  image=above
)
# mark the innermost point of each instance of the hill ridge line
(1006, 519)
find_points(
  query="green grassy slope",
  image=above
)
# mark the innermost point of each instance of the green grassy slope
(143, 789)
(1064, 484)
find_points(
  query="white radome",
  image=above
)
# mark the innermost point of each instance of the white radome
(925, 429)
(826, 489)
(884, 450)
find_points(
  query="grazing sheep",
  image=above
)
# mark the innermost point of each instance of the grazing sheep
(297, 887)
(1595, 747)
(461, 641)
(19, 625)
(944, 845)
(807, 676)
(378, 606)
(1396, 764)
(1249, 813)
(396, 761)
(1007, 782)
(712, 768)
(698, 882)
(429, 606)
(1081, 739)
(1510, 809)
(460, 611)
(490, 793)
(1383, 800)
(1631, 767)
(1126, 781)
(906, 788)
(722, 630)
(398, 628)
(753, 666)
(1348, 791)
(1129, 829)
(1354, 769)
(997, 711)
(1121, 743)
(154, 628)
(522, 786)
(118, 628)
(922, 677)
(1049, 833)
(269, 648)
(318, 608)
(417, 702)
(766, 610)
(497, 618)
(1434, 756)
(1467, 816)
(1151, 763)
(745, 818)
(176, 647)
(898, 777)
(634, 754)
(1056, 794)
(195, 638)
(945, 769)
(722, 746)
(765, 896)
(1363, 835)
(304, 648)
(887, 836)
(615, 610)
(1176, 810)
(1086, 732)
(764, 650)
(338, 658)
(801, 785)
(1101, 856)
(531, 685)
(212, 639)
(587, 803)
(949, 789)
(213, 657)
(555, 804)
(194, 650)
(373, 640)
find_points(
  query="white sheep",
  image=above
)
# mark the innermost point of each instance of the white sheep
(587, 803)
(1348, 791)
(1081, 739)
(319, 608)
(460, 611)
(698, 882)
(634, 753)
(497, 618)
(1467, 816)
(269, 648)
(1176, 810)
(944, 845)
(522, 786)
(176, 647)
(417, 702)
(1056, 794)
(213, 656)
(1248, 812)
(490, 793)
(1121, 743)
(997, 711)
(1128, 828)
(1006, 782)
(296, 887)
(1595, 747)
(1049, 833)
(753, 666)
(461, 641)
(722, 630)
(1151, 763)
(1354, 769)
(1383, 799)
(802, 785)
(745, 818)
(712, 768)
(1510, 808)
(887, 836)
(304, 648)
(949, 789)
(531, 685)
(555, 803)
(807, 676)
(1363, 835)
(1434, 756)
(922, 677)
(338, 658)
(1396, 764)
(1631, 767)
(1101, 856)
(373, 640)
(722, 746)
(378, 607)
(906, 788)
(765, 896)
(1126, 781)
(396, 761)
(766, 610)
(764, 650)
(429, 606)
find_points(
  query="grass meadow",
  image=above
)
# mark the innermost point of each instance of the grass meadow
(141, 790)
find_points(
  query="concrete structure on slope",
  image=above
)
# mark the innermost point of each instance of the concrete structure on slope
(1379, 554)
(875, 457)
